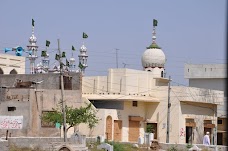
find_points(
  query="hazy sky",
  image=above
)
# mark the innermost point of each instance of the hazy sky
(190, 31)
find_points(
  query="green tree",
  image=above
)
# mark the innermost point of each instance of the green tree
(74, 116)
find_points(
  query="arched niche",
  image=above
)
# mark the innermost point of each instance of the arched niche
(13, 71)
(1, 71)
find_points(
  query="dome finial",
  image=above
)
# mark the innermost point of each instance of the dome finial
(155, 23)
(154, 45)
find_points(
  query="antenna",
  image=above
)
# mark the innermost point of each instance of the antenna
(125, 64)
(116, 57)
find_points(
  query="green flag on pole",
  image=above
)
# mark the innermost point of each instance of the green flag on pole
(63, 54)
(80, 65)
(155, 22)
(73, 48)
(33, 22)
(47, 43)
(84, 35)
(44, 53)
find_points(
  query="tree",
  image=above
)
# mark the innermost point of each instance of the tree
(74, 116)
(149, 128)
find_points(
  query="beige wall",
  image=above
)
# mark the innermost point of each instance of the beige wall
(30, 103)
(152, 95)
(10, 62)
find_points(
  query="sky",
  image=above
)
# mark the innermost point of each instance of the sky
(188, 31)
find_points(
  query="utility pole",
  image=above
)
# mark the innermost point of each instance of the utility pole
(117, 58)
(168, 113)
(216, 127)
(62, 93)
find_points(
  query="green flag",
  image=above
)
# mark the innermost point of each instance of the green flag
(47, 43)
(57, 57)
(33, 22)
(80, 65)
(63, 54)
(67, 63)
(155, 22)
(43, 53)
(73, 48)
(84, 35)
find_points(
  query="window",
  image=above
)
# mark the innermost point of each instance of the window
(13, 108)
(162, 74)
(135, 103)
(219, 121)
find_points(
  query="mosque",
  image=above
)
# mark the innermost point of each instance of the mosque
(128, 101)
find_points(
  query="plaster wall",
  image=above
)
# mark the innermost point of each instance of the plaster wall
(30, 103)
(10, 62)
(204, 71)
(215, 84)
(49, 80)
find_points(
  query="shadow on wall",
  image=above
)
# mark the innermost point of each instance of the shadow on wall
(197, 109)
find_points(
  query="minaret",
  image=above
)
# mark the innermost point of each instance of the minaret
(45, 62)
(83, 58)
(72, 64)
(32, 48)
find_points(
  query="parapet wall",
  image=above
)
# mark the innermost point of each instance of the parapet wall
(43, 143)
(45, 81)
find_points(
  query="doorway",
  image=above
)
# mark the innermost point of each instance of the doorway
(133, 131)
(189, 136)
(109, 128)
(219, 139)
(208, 130)
(154, 129)
(117, 130)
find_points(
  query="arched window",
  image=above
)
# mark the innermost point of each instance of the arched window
(13, 71)
(1, 71)
(162, 74)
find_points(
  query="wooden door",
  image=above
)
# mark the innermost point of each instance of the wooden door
(133, 131)
(117, 130)
(109, 128)
(219, 139)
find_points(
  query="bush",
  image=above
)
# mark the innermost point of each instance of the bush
(173, 148)
(188, 146)
(121, 146)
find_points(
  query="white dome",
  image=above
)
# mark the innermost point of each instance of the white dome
(83, 48)
(72, 59)
(153, 57)
(32, 39)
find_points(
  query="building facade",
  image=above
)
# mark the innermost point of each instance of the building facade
(129, 100)
(211, 76)
(28, 96)
(10, 64)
